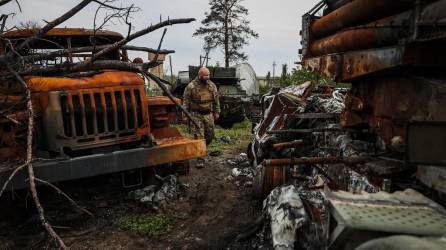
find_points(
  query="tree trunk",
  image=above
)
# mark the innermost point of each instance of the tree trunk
(226, 35)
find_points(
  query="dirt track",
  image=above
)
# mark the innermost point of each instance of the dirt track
(213, 212)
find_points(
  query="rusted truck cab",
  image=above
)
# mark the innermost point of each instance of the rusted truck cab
(88, 123)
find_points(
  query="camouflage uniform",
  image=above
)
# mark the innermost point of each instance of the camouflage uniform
(202, 101)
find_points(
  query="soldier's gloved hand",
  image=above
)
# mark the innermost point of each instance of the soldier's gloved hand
(216, 116)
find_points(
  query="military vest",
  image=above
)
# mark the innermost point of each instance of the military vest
(202, 97)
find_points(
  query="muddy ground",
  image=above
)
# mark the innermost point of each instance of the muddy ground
(210, 214)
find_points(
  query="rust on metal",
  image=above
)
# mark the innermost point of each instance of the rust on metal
(171, 146)
(314, 116)
(161, 101)
(102, 80)
(272, 177)
(65, 32)
(288, 144)
(381, 33)
(313, 160)
(390, 101)
(303, 161)
(335, 4)
(355, 13)
(162, 111)
(303, 131)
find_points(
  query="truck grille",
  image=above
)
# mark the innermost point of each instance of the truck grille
(97, 112)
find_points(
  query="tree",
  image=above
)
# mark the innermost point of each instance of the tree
(226, 26)
(284, 75)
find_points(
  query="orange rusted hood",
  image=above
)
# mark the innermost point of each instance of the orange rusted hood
(171, 146)
(105, 79)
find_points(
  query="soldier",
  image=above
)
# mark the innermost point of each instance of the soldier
(201, 100)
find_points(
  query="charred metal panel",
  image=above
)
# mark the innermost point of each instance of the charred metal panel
(426, 144)
(306, 33)
(350, 65)
(391, 100)
(329, 66)
(98, 164)
(360, 63)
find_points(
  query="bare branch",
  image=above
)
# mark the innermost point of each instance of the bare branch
(130, 47)
(65, 52)
(16, 170)
(32, 183)
(65, 68)
(138, 34)
(60, 192)
(159, 47)
(3, 18)
(18, 4)
(109, 6)
(3, 2)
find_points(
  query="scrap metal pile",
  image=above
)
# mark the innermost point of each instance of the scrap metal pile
(325, 182)
(341, 169)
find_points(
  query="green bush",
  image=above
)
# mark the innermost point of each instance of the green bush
(150, 225)
(299, 76)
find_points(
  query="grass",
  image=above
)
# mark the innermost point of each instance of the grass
(150, 225)
(240, 135)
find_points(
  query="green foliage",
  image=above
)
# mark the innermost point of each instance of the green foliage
(284, 74)
(150, 225)
(240, 135)
(263, 89)
(299, 76)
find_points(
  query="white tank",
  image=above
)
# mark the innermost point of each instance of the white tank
(248, 78)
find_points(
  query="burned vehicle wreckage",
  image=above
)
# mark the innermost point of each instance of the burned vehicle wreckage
(359, 168)
(86, 122)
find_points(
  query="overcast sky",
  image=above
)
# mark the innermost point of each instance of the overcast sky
(277, 22)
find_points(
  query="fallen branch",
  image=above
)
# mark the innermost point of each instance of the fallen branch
(60, 192)
(130, 47)
(16, 170)
(3, 2)
(155, 58)
(32, 182)
(67, 68)
(66, 52)
(138, 34)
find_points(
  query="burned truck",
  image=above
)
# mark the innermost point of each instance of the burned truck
(86, 123)
(361, 168)
(233, 99)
